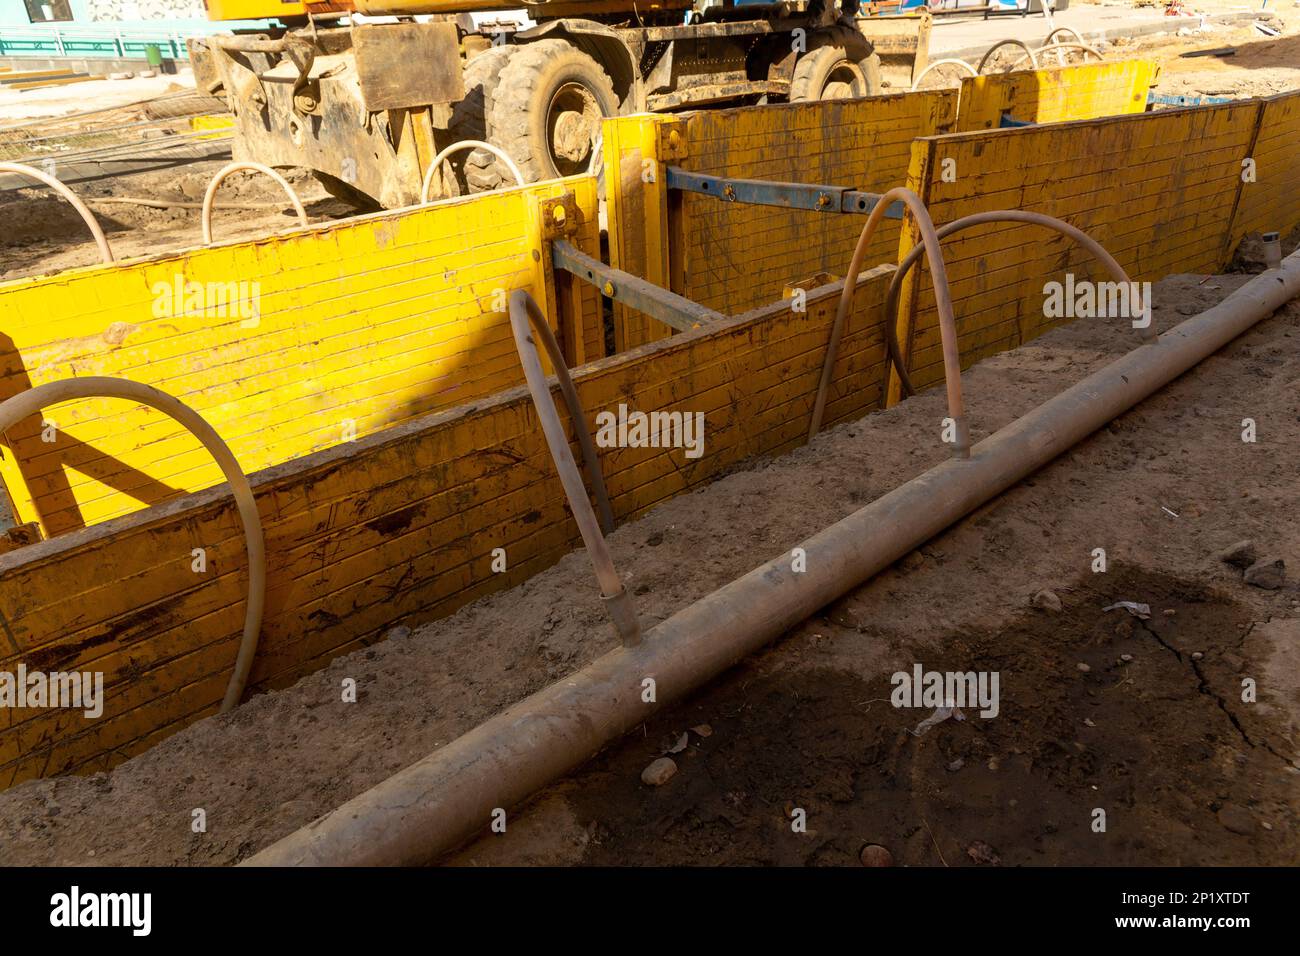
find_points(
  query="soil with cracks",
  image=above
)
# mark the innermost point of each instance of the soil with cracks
(1185, 770)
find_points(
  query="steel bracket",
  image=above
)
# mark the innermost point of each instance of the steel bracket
(559, 216)
(671, 309)
(1166, 99)
(769, 192)
(672, 141)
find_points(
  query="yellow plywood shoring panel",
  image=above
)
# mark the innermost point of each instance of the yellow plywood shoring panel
(221, 125)
(1157, 190)
(322, 336)
(1054, 96)
(637, 216)
(398, 527)
(1270, 196)
(737, 256)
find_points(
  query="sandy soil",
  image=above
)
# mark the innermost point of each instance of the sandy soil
(43, 234)
(1152, 732)
(1257, 66)
(104, 92)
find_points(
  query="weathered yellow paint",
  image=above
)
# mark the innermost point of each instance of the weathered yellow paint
(220, 123)
(1270, 199)
(286, 345)
(449, 462)
(1158, 190)
(398, 526)
(1087, 91)
(736, 256)
(637, 214)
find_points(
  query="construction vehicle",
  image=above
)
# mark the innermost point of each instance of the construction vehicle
(367, 106)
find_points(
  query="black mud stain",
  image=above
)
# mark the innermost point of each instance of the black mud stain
(1154, 737)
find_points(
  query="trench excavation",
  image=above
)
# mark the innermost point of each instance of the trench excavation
(375, 392)
(435, 805)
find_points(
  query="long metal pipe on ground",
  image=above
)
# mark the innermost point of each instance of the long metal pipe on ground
(437, 803)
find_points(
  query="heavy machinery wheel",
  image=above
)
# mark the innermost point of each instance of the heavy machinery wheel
(837, 67)
(479, 171)
(547, 109)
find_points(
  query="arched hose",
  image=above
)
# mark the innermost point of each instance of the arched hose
(1054, 47)
(917, 82)
(999, 45)
(225, 171)
(30, 402)
(1107, 261)
(1047, 44)
(468, 144)
(1070, 30)
(943, 300)
(523, 311)
(18, 169)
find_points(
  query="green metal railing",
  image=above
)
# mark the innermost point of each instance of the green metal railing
(121, 43)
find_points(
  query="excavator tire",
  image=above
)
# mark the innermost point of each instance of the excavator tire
(547, 108)
(839, 65)
(479, 171)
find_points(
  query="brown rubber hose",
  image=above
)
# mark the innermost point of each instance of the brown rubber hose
(1107, 261)
(943, 300)
(28, 403)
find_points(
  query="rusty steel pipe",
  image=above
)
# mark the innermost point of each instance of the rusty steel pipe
(943, 302)
(916, 84)
(254, 44)
(523, 311)
(437, 161)
(1091, 245)
(437, 803)
(1054, 48)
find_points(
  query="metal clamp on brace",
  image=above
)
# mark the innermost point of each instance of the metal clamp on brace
(769, 192)
(671, 309)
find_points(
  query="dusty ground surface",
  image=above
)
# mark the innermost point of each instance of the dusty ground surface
(101, 92)
(43, 234)
(1160, 740)
(1256, 66)
(136, 146)
(1154, 732)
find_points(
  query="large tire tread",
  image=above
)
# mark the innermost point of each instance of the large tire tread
(829, 48)
(516, 113)
(479, 170)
